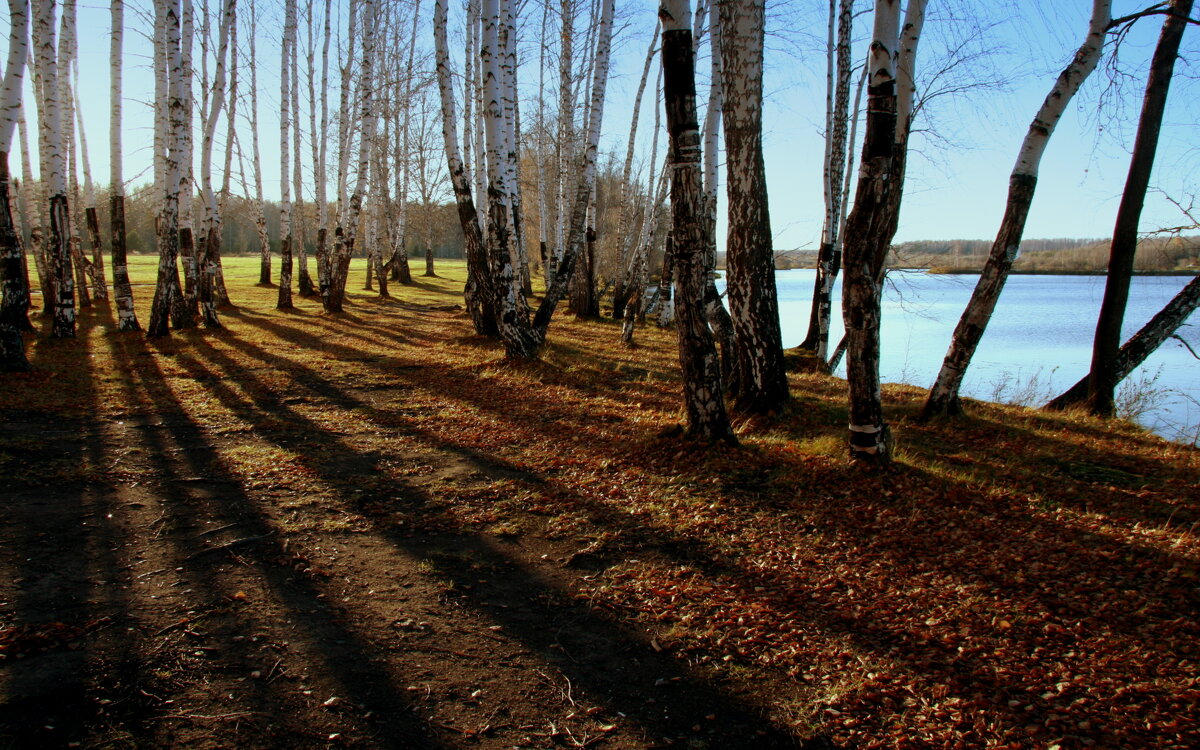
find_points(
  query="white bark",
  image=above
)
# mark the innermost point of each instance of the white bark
(285, 179)
(625, 237)
(943, 396)
(14, 71)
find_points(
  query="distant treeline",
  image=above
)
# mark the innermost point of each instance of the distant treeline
(1176, 253)
(438, 222)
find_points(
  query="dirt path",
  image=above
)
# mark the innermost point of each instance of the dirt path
(181, 579)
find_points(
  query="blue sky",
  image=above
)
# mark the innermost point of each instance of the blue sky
(958, 172)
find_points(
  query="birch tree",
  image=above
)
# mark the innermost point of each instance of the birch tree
(478, 294)
(67, 51)
(167, 291)
(284, 300)
(703, 396)
(260, 219)
(210, 234)
(622, 288)
(366, 104)
(835, 176)
(187, 313)
(122, 289)
(586, 171)
(1103, 377)
(13, 291)
(761, 378)
(872, 223)
(91, 219)
(944, 395)
(54, 169)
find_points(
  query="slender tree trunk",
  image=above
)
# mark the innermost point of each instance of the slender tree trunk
(95, 264)
(210, 234)
(14, 286)
(1142, 344)
(512, 315)
(703, 395)
(33, 212)
(478, 294)
(586, 172)
(67, 52)
(836, 178)
(761, 377)
(167, 289)
(625, 237)
(867, 240)
(366, 104)
(1103, 378)
(186, 313)
(54, 167)
(284, 300)
(260, 219)
(944, 395)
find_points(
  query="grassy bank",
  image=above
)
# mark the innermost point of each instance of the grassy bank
(371, 530)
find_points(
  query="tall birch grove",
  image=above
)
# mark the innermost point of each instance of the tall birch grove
(545, 208)
(14, 294)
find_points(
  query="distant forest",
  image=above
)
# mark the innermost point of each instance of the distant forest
(1175, 253)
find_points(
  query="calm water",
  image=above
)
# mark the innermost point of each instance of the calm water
(1038, 343)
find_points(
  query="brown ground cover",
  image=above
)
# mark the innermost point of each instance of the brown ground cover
(371, 530)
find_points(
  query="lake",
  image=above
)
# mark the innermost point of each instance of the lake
(1039, 341)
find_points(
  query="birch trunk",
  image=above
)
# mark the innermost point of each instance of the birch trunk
(944, 395)
(401, 271)
(167, 290)
(761, 377)
(187, 313)
(217, 236)
(260, 219)
(37, 237)
(512, 315)
(54, 168)
(210, 233)
(714, 309)
(703, 396)
(14, 288)
(94, 264)
(122, 289)
(1103, 379)
(67, 50)
(478, 294)
(320, 159)
(586, 172)
(304, 285)
(366, 95)
(867, 240)
(284, 299)
(566, 126)
(836, 177)
(1142, 344)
